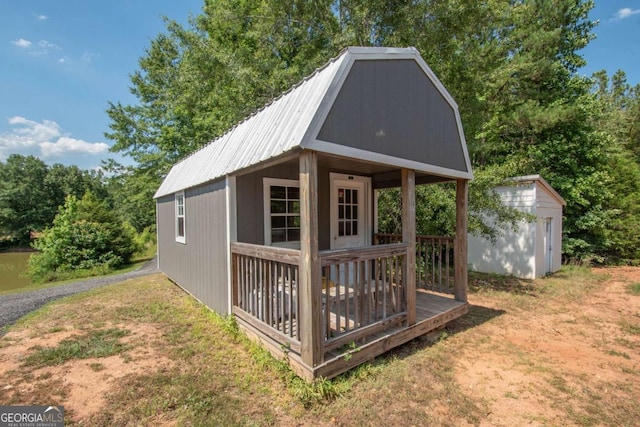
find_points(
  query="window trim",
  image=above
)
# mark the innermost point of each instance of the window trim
(181, 239)
(266, 190)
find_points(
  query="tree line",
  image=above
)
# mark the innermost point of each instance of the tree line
(512, 66)
(81, 222)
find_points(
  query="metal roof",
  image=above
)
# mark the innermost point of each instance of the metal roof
(291, 122)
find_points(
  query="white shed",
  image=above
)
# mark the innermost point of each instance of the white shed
(534, 248)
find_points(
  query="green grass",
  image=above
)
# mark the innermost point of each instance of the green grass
(618, 353)
(633, 288)
(96, 343)
(630, 327)
(570, 284)
(214, 375)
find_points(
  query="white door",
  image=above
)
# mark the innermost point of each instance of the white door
(548, 246)
(350, 224)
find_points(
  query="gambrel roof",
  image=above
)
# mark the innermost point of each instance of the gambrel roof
(381, 105)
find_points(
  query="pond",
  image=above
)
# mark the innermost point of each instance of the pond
(12, 266)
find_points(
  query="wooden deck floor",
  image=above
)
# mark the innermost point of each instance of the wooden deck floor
(432, 311)
(429, 305)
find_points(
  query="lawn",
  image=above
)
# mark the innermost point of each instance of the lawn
(558, 351)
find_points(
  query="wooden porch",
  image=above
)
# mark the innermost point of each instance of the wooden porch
(364, 299)
(328, 311)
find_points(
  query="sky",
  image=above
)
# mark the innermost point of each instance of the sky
(63, 61)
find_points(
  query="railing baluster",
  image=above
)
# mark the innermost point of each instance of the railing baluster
(348, 291)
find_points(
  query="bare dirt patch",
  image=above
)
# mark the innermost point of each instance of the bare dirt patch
(551, 364)
(80, 385)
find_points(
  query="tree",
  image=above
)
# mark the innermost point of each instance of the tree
(31, 192)
(25, 204)
(131, 193)
(617, 121)
(195, 83)
(511, 65)
(86, 235)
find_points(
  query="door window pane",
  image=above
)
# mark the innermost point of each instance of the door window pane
(278, 192)
(347, 212)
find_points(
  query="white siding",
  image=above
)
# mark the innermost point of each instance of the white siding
(521, 253)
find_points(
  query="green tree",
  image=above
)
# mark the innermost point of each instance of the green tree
(617, 121)
(31, 192)
(86, 235)
(512, 66)
(195, 83)
(25, 204)
(130, 194)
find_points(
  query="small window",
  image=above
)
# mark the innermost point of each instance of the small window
(282, 212)
(180, 218)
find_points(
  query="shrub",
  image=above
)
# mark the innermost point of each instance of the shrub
(85, 235)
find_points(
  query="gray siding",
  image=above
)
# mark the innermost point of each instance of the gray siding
(250, 202)
(200, 265)
(392, 108)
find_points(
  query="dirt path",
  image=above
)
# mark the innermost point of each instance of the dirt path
(531, 366)
(14, 306)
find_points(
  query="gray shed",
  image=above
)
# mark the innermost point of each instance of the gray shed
(534, 249)
(273, 221)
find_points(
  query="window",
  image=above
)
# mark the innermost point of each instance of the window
(180, 221)
(347, 211)
(282, 212)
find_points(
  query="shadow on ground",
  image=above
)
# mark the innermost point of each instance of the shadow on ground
(476, 316)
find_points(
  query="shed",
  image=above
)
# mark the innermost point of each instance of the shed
(273, 221)
(532, 250)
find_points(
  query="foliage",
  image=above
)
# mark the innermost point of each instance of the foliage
(511, 66)
(85, 235)
(31, 191)
(130, 194)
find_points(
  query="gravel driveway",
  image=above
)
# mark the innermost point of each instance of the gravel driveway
(14, 306)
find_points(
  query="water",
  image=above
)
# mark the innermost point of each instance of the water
(12, 265)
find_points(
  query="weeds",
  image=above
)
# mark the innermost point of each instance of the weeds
(97, 343)
(618, 353)
(633, 288)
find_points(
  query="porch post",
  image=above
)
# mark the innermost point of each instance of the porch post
(409, 237)
(460, 257)
(311, 339)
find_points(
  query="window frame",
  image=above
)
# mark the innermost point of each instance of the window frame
(181, 238)
(266, 189)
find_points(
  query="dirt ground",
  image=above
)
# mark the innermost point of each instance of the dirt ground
(552, 363)
(565, 352)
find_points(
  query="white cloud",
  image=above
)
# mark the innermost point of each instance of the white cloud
(27, 135)
(625, 13)
(48, 45)
(66, 145)
(22, 43)
(42, 17)
(42, 48)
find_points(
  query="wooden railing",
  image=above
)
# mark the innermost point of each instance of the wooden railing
(265, 290)
(363, 292)
(434, 260)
